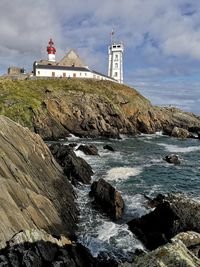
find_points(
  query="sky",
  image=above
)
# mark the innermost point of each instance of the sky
(161, 39)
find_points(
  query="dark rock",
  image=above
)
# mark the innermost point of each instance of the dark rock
(172, 158)
(76, 168)
(31, 259)
(111, 134)
(88, 150)
(155, 229)
(108, 147)
(72, 145)
(109, 199)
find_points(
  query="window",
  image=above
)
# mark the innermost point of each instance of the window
(119, 46)
(74, 75)
(80, 74)
(116, 74)
(53, 74)
(116, 65)
(116, 57)
(85, 73)
(38, 72)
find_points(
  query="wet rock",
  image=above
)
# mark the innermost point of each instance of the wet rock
(155, 229)
(172, 158)
(109, 199)
(180, 133)
(173, 254)
(42, 249)
(76, 168)
(88, 150)
(108, 147)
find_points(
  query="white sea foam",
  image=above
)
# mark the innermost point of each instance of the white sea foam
(73, 137)
(135, 205)
(122, 173)
(177, 149)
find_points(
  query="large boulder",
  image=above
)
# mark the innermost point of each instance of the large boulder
(76, 168)
(35, 194)
(154, 229)
(173, 213)
(88, 149)
(174, 254)
(109, 199)
(180, 133)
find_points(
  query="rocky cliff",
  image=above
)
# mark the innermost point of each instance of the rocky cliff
(33, 190)
(54, 108)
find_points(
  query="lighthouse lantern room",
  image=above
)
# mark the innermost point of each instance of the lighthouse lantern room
(51, 51)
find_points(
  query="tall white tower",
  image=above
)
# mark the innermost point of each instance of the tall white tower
(115, 61)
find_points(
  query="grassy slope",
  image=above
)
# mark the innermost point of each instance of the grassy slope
(18, 98)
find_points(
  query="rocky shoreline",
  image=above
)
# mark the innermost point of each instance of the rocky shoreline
(38, 213)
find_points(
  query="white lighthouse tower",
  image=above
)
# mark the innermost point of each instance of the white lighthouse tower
(115, 63)
(51, 51)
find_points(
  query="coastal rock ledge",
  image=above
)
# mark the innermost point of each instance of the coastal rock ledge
(34, 192)
(54, 108)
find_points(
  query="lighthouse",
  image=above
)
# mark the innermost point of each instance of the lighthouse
(51, 51)
(115, 60)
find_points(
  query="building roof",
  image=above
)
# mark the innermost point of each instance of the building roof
(57, 67)
(71, 59)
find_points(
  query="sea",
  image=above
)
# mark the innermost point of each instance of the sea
(135, 169)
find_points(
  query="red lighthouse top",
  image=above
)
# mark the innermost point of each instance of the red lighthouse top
(50, 48)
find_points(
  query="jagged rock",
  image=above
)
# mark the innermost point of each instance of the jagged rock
(191, 240)
(76, 168)
(173, 159)
(187, 210)
(42, 249)
(34, 192)
(88, 150)
(180, 133)
(159, 226)
(173, 254)
(108, 147)
(109, 199)
(154, 229)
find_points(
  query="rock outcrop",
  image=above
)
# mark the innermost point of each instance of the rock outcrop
(107, 198)
(36, 248)
(173, 214)
(89, 150)
(76, 168)
(156, 228)
(174, 254)
(89, 108)
(180, 133)
(172, 158)
(34, 192)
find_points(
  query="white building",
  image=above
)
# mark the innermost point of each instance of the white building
(115, 63)
(70, 66)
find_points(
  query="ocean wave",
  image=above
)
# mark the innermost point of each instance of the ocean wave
(122, 173)
(178, 149)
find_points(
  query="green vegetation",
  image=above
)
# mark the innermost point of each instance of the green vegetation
(19, 98)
